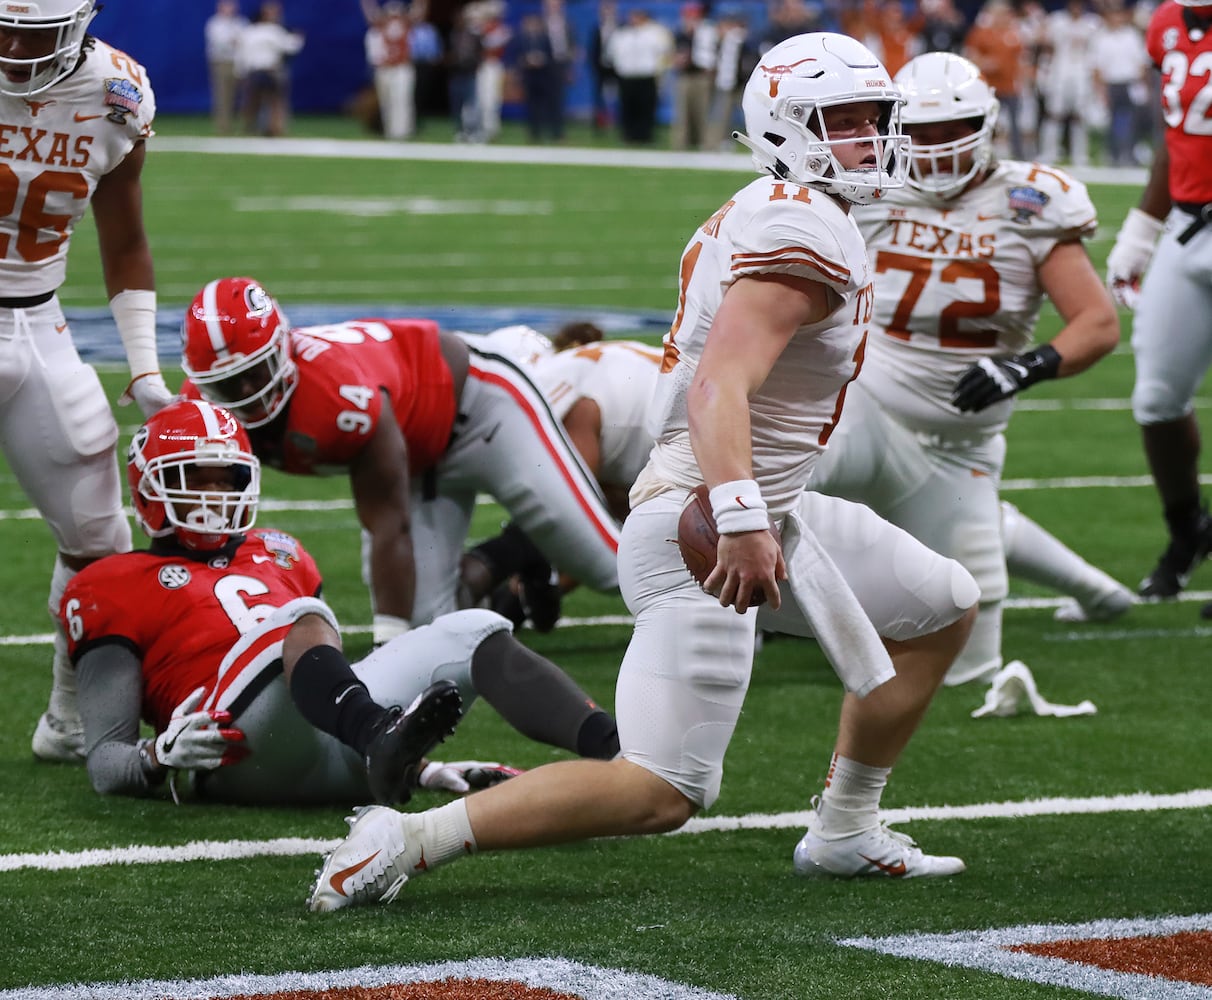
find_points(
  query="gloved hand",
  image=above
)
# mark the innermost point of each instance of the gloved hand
(991, 380)
(1129, 258)
(197, 739)
(149, 392)
(463, 776)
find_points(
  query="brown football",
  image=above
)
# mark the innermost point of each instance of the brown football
(698, 538)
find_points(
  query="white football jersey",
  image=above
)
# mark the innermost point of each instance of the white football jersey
(959, 283)
(620, 376)
(54, 147)
(768, 227)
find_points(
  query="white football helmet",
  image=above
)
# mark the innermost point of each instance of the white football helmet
(784, 101)
(523, 344)
(34, 73)
(943, 87)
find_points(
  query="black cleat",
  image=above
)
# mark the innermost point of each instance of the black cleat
(394, 756)
(1178, 562)
(542, 600)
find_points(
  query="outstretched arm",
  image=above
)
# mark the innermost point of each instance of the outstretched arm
(380, 481)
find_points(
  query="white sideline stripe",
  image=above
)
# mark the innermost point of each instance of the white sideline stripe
(1062, 483)
(230, 850)
(1095, 633)
(377, 149)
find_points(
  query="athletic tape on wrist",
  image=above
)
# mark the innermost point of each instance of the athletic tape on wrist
(134, 312)
(738, 506)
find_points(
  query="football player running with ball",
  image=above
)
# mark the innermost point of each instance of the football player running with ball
(963, 257)
(774, 300)
(1172, 328)
(218, 638)
(76, 114)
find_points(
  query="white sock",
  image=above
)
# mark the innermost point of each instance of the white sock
(850, 802)
(1039, 557)
(63, 675)
(447, 833)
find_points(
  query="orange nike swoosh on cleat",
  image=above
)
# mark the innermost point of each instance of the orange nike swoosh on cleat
(86, 118)
(422, 865)
(340, 878)
(897, 870)
(60, 327)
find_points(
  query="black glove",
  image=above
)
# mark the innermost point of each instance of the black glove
(991, 380)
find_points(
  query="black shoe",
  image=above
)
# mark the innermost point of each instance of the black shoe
(1178, 562)
(542, 600)
(535, 599)
(408, 734)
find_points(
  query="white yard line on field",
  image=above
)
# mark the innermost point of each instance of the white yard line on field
(230, 850)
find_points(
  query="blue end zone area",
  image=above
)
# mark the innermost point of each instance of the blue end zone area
(97, 339)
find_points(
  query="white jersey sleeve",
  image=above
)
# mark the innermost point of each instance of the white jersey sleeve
(959, 280)
(768, 227)
(620, 377)
(53, 150)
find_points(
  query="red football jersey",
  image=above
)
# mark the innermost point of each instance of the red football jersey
(180, 615)
(337, 404)
(1185, 58)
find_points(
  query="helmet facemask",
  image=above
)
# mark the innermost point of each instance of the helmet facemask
(944, 89)
(65, 22)
(193, 475)
(255, 387)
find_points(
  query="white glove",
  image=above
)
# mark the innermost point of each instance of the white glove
(1129, 258)
(149, 391)
(463, 776)
(197, 740)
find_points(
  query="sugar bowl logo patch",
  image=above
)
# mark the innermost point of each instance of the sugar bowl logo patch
(283, 548)
(122, 98)
(1026, 202)
(173, 577)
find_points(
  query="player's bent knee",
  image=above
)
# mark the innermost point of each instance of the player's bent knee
(1155, 402)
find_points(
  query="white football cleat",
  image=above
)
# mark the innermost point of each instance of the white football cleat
(380, 853)
(878, 852)
(59, 739)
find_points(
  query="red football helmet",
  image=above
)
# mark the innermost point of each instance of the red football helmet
(236, 349)
(192, 473)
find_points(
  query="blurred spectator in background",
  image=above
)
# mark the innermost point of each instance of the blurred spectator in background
(897, 40)
(262, 60)
(462, 62)
(997, 47)
(390, 59)
(605, 81)
(426, 46)
(734, 63)
(640, 51)
(489, 23)
(223, 30)
(695, 48)
(787, 18)
(941, 25)
(530, 54)
(1121, 63)
(563, 56)
(1067, 85)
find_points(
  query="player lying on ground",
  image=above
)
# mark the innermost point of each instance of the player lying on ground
(216, 636)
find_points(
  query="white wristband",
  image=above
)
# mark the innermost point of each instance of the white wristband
(738, 506)
(135, 316)
(384, 628)
(1141, 226)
